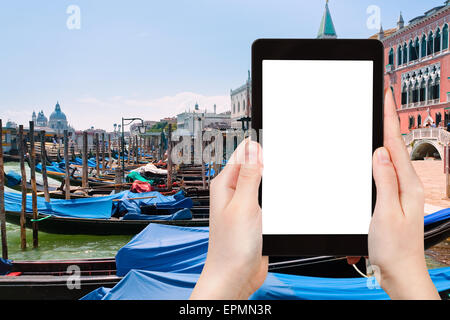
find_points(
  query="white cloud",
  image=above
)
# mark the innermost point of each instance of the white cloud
(103, 113)
(84, 112)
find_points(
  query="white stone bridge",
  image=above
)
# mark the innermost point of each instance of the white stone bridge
(427, 142)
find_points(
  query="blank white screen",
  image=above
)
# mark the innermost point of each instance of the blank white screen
(317, 146)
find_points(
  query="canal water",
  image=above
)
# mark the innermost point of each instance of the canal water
(55, 246)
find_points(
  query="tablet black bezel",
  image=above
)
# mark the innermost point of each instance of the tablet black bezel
(313, 49)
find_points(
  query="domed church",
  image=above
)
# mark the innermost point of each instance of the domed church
(57, 120)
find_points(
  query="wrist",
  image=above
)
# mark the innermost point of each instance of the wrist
(215, 284)
(408, 283)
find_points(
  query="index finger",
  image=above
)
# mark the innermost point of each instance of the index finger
(394, 142)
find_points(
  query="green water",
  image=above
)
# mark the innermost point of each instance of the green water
(55, 246)
(58, 246)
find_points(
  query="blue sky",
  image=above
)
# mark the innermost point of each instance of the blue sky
(152, 58)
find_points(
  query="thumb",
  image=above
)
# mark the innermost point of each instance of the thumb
(386, 182)
(250, 172)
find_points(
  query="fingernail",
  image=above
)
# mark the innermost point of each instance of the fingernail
(253, 153)
(383, 156)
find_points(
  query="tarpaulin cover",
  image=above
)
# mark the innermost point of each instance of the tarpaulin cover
(183, 214)
(437, 216)
(88, 208)
(12, 178)
(156, 243)
(55, 167)
(132, 202)
(98, 207)
(165, 248)
(5, 266)
(154, 285)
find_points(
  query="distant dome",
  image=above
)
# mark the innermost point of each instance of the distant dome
(41, 119)
(58, 114)
(11, 125)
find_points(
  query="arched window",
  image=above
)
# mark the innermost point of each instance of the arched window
(419, 120)
(437, 41)
(430, 43)
(411, 51)
(239, 107)
(446, 118)
(404, 95)
(405, 54)
(415, 93)
(234, 108)
(391, 56)
(417, 49)
(399, 55)
(243, 105)
(436, 88)
(445, 37)
(430, 90)
(424, 47)
(438, 119)
(411, 122)
(422, 91)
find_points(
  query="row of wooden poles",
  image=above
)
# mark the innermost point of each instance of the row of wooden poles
(133, 149)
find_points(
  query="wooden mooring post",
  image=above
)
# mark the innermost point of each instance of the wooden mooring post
(2, 198)
(103, 153)
(84, 176)
(97, 154)
(109, 152)
(44, 167)
(169, 158)
(136, 149)
(447, 169)
(33, 186)
(67, 163)
(23, 233)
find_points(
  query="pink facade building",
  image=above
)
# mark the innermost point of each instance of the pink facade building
(417, 68)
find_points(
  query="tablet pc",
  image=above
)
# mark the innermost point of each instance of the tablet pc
(318, 111)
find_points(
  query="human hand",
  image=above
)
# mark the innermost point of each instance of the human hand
(235, 267)
(396, 245)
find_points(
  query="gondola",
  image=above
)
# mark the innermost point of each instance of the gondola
(48, 280)
(113, 226)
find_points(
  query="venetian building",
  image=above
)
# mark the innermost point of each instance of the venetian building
(58, 121)
(417, 68)
(41, 120)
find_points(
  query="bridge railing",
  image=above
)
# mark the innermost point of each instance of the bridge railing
(439, 134)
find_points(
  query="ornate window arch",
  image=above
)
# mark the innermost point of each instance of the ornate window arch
(438, 118)
(391, 56)
(437, 41)
(445, 37)
(239, 107)
(416, 49)
(404, 94)
(411, 51)
(419, 121)
(430, 43)
(399, 55)
(423, 52)
(405, 53)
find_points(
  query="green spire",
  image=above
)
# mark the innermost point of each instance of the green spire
(326, 30)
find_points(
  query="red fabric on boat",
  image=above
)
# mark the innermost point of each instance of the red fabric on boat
(141, 186)
(14, 274)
